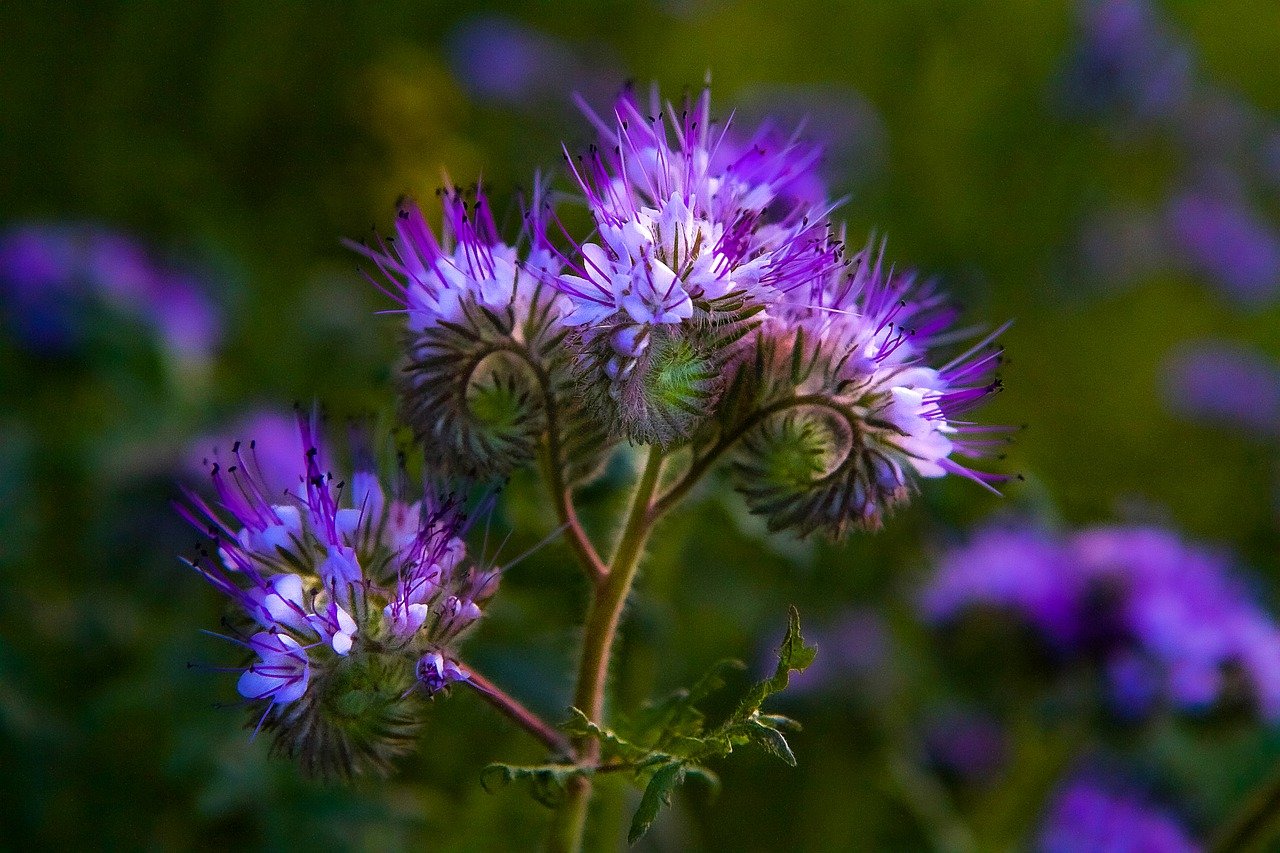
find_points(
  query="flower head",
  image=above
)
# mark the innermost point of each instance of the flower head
(485, 335)
(866, 406)
(343, 587)
(693, 229)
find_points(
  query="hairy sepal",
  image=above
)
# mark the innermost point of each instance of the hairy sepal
(359, 714)
(666, 394)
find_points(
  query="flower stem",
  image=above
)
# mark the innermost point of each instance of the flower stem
(553, 472)
(518, 713)
(607, 601)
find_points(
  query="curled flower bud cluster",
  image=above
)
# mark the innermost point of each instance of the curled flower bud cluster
(349, 601)
(1169, 621)
(713, 305)
(852, 356)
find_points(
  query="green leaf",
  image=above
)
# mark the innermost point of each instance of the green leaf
(547, 782)
(793, 656)
(611, 744)
(704, 775)
(656, 795)
(772, 740)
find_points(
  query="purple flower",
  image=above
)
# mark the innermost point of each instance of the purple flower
(1222, 238)
(49, 271)
(686, 222)
(1022, 571)
(1088, 815)
(1186, 613)
(281, 671)
(1129, 60)
(436, 673)
(325, 568)
(1223, 383)
(877, 332)
(1169, 619)
(436, 279)
(39, 285)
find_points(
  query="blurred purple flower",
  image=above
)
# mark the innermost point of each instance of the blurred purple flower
(1130, 61)
(50, 272)
(1088, 815)
(1223, 383)
(1224, 239)
(1023, 571)
(505, 61)
(39, 289)
(851, 650)
(1187, 613)
(1169, 619)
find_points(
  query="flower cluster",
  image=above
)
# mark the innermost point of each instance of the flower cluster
(696, 229)
(1087, 814)
(487, 374)
(345, 598)
(861, 343)
(713, 305)
(50, 272)
(1169, 620)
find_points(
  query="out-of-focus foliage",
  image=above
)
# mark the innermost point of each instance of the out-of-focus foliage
(247, 139)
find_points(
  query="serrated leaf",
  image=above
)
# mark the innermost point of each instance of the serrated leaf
(793, 656)
(772, 740)
(547, 782)
(611, 744)
(656, 795)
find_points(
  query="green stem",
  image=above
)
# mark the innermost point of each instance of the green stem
(552, 459)
(700, 465)
(607, 601)
(1255, 823)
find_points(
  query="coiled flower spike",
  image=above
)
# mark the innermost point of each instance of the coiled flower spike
(841, 409)
(487, 380)
(349, 602)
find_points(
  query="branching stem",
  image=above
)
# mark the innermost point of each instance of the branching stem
(552, 462)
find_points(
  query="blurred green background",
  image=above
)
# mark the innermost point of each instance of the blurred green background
(250, 137)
